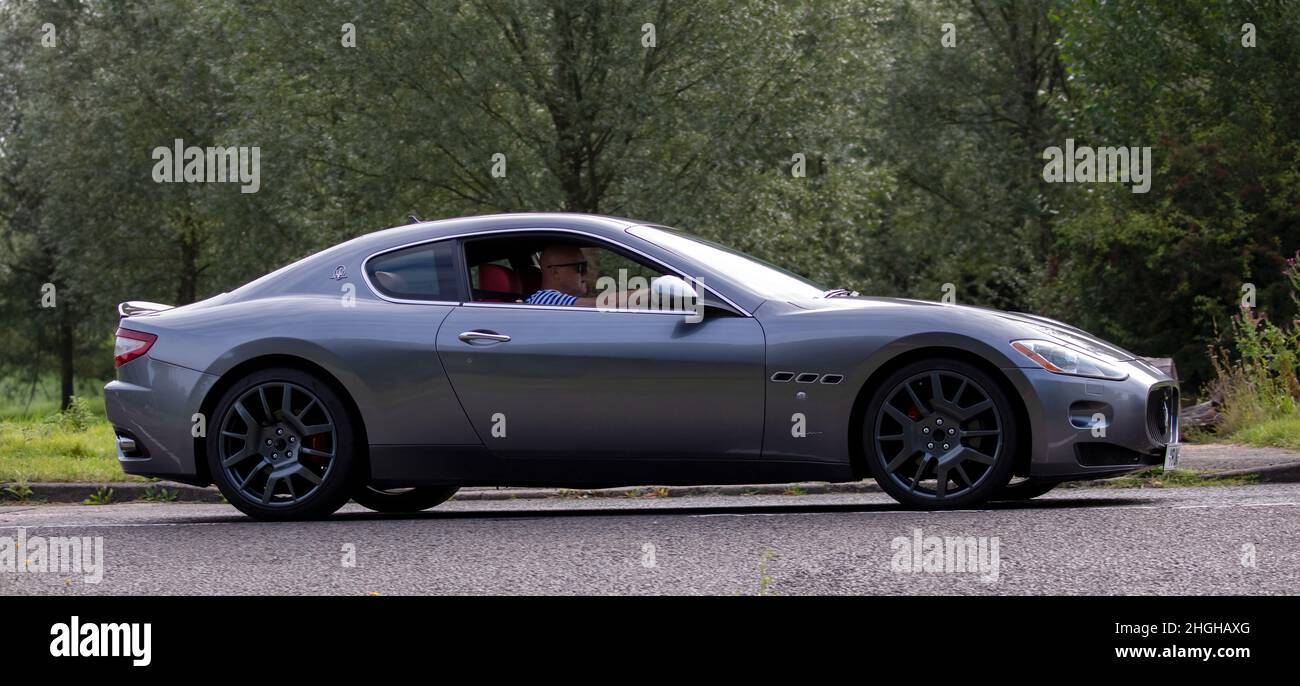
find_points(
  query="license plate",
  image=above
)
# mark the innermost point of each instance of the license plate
(1171, 455)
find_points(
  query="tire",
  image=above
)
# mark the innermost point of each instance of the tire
(278, 459)
(964, 439)
(403, 499)
(1026, 489)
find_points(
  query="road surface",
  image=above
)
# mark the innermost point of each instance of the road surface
(1229, 540)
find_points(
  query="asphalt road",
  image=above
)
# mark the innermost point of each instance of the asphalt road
(1230, 540)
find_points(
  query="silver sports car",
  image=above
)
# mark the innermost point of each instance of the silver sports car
(585, 351)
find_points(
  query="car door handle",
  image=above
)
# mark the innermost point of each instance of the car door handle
(471, 336)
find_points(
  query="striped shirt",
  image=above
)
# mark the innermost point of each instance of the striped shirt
(550, 296)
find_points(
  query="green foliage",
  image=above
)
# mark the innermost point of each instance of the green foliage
(20, 490)
(77, 417)
(1162, 272)
(38, 399)
(102, 496)
(923, 161)
(1157, 477)
(1263, 383)
(39, 450)
(960, 131)
(159, 494)
(1279, 432)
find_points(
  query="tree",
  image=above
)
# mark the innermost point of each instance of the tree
(1164, 271)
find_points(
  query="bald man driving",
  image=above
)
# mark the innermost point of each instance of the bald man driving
(564, 278)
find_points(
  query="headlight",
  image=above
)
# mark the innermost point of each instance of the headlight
(1060, 359)
(1083, 345)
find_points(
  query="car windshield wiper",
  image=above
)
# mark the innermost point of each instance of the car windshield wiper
(839, 293)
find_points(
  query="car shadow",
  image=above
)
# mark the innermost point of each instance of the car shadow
(766, 509)
(652, 510)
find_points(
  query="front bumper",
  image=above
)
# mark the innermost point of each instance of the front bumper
(1090, 428)
(153, 405)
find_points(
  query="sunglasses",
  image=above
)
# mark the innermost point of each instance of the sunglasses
(580, 267)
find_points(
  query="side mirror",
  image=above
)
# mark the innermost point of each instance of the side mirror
(680, 295)
(672, 286)
(673, 293)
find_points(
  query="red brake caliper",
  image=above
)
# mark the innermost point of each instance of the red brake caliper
(316, 442)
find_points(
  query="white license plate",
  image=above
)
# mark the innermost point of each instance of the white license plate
(1171, 455)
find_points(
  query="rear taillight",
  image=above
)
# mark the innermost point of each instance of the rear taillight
(130, 345)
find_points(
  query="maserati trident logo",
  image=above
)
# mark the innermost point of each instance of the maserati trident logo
(340, 273)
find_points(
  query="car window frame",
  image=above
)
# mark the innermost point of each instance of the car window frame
(599, 241)
(722, 302)
(457, 265)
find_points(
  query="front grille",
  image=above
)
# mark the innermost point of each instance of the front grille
(1162, 415)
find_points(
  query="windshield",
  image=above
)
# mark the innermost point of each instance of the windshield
(767, 280)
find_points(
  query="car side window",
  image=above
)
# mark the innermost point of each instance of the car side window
(608, 263)
(510, 269)
(421, 272)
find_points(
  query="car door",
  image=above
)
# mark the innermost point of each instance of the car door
(581, 383)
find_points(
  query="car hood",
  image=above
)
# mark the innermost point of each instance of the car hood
(1070, 334)
(1016, 324)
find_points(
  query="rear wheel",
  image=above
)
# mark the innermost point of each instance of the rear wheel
(396, 500)
(282, 447)
(940, 434)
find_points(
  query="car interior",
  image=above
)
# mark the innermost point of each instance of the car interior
(508, 270)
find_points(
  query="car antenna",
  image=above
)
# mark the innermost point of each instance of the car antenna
(414, 219)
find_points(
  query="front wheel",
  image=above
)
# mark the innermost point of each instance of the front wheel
(940, 434)
(398, 500)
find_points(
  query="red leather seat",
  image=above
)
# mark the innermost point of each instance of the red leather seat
(501, 282)
(530, 279)
(494, 277)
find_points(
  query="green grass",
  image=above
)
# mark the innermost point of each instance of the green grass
(1157, 477)
(57, 447)
(19, 400)
(1280, 432)
(38, 410)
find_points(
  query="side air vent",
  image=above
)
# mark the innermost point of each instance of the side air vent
(807, 377)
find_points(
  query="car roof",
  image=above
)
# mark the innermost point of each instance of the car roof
(291, 277)
(429, 230)
(311, 274)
